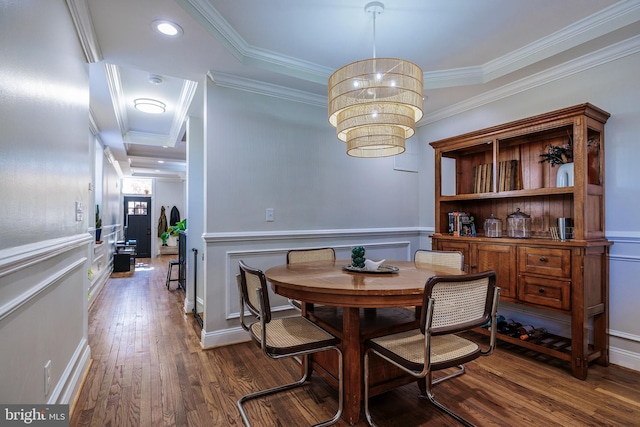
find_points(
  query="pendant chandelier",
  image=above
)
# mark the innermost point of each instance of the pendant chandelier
(374, 104)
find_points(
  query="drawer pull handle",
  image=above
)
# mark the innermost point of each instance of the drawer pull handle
(543, 259)
(541, 290)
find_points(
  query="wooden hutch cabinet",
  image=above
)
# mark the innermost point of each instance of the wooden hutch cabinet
(499, 170)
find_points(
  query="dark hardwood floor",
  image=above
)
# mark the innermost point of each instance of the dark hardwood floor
(149, 370)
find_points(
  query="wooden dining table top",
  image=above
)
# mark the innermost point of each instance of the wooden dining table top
(328, 282)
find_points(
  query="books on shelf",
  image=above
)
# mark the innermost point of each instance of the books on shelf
(483, 178)
(508, 177)
(461, 224)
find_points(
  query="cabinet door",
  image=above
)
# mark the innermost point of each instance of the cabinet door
(441, 245)
(501, 259)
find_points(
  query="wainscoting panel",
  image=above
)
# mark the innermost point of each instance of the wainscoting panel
(624, 297)
(263, 250)
(266, 258)
(43, 319)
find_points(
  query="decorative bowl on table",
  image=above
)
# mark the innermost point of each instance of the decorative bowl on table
(372, 267)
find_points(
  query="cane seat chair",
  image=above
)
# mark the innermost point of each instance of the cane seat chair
(281, 337)
(452, 304)
(454, 259)
(295, 256)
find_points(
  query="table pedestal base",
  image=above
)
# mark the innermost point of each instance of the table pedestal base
(354, 326)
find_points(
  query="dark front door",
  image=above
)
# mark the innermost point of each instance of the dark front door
(137, 217)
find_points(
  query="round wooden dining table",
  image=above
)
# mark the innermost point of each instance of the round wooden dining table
(329, 283)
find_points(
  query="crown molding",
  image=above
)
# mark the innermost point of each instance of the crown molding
(93, 126)
(187, 93)
(182, 109)
(267, 89)
(147, 138)
(610, 19)
(112, 72)
(203, 12)
(608, 54)
(79, 10)
(606, 21)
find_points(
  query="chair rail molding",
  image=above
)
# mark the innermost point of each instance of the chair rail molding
(17, 258)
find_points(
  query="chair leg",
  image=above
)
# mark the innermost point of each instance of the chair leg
(300, 382)
(367, 414)
(460, 369)
(429, 395)
(422, 382)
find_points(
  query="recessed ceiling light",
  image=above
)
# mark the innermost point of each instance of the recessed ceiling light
(147, 105)
(160, 161)
(167, 28)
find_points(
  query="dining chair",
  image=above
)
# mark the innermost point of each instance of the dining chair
(453, 304)
(281, 337)
(453, 259)
(307, 255)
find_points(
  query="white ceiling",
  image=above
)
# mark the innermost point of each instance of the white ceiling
(469, 50)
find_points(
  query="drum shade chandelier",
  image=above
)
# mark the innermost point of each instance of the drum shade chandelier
(374, 104)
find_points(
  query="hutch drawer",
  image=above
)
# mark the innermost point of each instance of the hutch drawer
(548, 262)
(545, 292)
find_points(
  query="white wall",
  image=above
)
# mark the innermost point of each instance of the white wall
(195, 209)
(45, 168)
(264, 152)
(167, 193)
(615, 87)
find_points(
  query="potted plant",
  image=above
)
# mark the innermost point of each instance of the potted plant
(165, 236)
(559, 154)
(98, 224)
(180, 226)
(173, 230)
(562, 155)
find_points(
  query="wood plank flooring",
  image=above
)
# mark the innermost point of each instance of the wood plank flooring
(149, 370)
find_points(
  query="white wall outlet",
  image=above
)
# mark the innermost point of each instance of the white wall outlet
(47, 377)
(270, 214)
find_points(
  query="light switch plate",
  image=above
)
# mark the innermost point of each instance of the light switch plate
(79, 211)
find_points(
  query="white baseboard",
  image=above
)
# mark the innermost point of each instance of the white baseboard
(67, 388)
(223, 337)
(624, 358)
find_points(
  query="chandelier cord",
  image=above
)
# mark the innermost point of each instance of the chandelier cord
(373, 12)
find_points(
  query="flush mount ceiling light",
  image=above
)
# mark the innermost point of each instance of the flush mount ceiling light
(374, 104)
(147, 105)
(167, 28)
